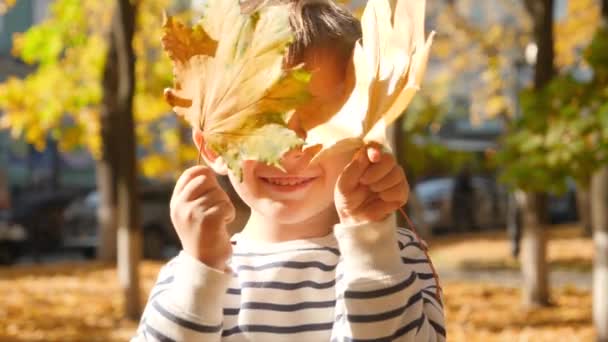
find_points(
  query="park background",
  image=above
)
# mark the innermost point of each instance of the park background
(509, 132)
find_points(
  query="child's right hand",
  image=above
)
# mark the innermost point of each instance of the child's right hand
(200, 210)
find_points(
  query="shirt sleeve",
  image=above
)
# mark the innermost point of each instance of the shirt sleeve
(185, 304)
(386, 289)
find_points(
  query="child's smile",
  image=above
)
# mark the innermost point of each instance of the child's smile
(287, 183)
(297, 180)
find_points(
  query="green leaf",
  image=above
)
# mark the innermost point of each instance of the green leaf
(266, 143)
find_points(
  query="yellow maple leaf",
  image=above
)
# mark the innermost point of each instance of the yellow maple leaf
(183, 43)
(231, 83)
(389, 65)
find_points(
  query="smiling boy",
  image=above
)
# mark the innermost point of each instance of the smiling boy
(320, 258)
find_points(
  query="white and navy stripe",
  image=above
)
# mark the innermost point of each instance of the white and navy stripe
(298, 292)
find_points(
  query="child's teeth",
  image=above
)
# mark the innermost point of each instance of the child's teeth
(286, 181)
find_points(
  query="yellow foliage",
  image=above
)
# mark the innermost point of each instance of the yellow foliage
(156, 165)
(496, 105)
(62, 97)
(575, 30)
(171, 139)
(5, 5)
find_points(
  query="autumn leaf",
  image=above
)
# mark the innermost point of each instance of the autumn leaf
(250, 6)
(184, 43)
(230, 81)
(389, 65)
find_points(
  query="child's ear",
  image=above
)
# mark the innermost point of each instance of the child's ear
(211, 158)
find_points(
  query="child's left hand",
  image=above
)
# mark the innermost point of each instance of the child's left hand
(371, 187)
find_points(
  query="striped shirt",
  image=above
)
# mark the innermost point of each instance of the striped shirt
(369, 282)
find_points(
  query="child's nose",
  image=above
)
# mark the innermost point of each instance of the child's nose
(296, 160)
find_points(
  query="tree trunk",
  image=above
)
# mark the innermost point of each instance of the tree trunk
(120, 104)
(599, 202)
(106, 167)
(533, 244)
(514, 220)
(106, 212)
(599, 221)
(541, 12)
(534, 250)
(583, 206)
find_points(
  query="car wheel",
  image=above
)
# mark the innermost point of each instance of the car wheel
(154, 243)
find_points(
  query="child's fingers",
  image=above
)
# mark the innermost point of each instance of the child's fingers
(379, 169)
(349, 179)
(188, 175)
(374, 152)
(396, 194)
(198, 186)
(356, 198)
(393, 178)
(217, 203)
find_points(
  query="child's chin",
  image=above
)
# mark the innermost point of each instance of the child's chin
(286, 216)
(290, 214)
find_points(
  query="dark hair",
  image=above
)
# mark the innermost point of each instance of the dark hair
(320, 23)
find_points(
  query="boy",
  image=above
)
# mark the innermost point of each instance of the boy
(320, 258)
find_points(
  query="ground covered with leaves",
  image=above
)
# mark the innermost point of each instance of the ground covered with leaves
(567, 249)
(82, 302)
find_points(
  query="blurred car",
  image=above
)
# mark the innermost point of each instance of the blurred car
(436, 195)
(13, 238)
(40, 213)
(81, 228)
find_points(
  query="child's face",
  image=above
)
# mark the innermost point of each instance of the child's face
(304, 190)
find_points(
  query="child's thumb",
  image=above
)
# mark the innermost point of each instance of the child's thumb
(374, 152)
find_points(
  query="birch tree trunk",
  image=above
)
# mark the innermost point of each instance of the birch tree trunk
(534, 250)
(106, 212)
(119, 102)
(533, 243)
(106, 167)
(599, 202)
(599, 221)
(583, 206)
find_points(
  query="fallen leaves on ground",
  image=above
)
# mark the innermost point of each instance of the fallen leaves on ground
(65, 302)
(71, 302)
(567, 249)
(478, 312)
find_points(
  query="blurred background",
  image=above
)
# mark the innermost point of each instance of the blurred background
(505, 148)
